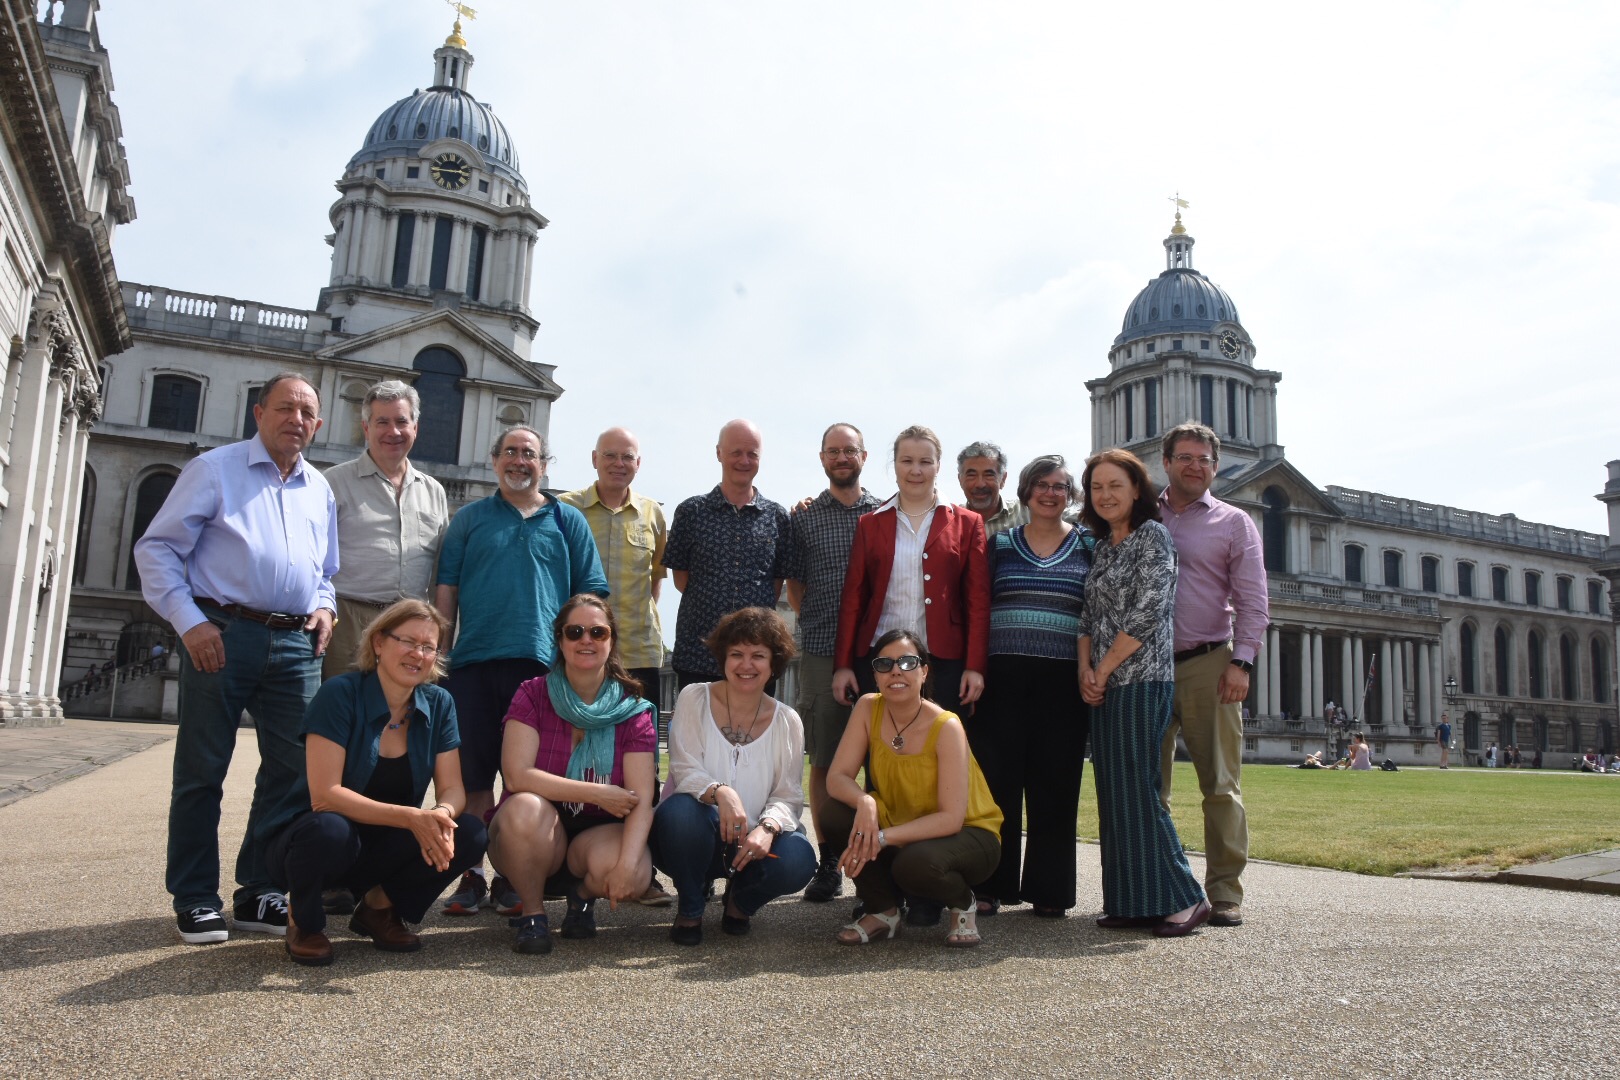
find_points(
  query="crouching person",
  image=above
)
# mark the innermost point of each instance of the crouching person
(373, 738)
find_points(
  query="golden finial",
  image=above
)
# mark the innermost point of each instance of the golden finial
(455, 40)
(1181, 204)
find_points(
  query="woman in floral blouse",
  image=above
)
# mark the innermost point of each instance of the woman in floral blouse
(1127, 667)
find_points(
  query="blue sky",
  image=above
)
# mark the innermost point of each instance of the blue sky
(937, 213)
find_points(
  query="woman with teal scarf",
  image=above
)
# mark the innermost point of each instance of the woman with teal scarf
(577, 766)
(735, 798)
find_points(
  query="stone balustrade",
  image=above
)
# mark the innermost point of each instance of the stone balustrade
(1466, 524)
(223, 318)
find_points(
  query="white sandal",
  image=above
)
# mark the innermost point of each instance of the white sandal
(964, 932)
(891, 923)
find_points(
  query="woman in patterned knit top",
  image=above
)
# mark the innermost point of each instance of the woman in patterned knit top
(1029, 734)
(1127, 675)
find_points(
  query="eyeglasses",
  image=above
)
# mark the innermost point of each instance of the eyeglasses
(846, 451)
(885, 664)
(1203, 462)
(429, 651)
(619, 459)
(574, 631)
(1041, 487)
(527, 453)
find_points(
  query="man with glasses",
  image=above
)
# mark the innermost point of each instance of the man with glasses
(1221, 617)
(981, 469)
(630, 536)
(507, 565)
(391, 519)
(823, 531)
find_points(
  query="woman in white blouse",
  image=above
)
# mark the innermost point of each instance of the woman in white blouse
(735, 792)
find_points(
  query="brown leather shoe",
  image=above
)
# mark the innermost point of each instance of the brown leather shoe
(384, 927)
(311, 950)
(1226, 913)
(1199, 916)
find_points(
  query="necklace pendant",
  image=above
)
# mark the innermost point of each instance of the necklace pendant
(898, 742)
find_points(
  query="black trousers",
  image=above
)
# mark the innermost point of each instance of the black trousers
(1029, 738)
(323, 850)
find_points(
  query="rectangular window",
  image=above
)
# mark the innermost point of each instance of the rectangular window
(439, 268)
(1465, 579)
(1150, 404)
(1296, 746)
(1252, 745)
(1566, 594)
(1392, 569)
(1175, 343)
(1153, 346)
(1499, 580)
(250, 426)
(1352, 563)
(1206, 400)
(402, 251)
(475, 262)
(1431, 574)
(1203, 343)
(1532, 588)
(413, 172)
(382, 174)
(483, 186)
(1594, 597)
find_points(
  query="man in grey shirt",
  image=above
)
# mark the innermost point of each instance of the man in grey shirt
(390, 517)
(981, 469)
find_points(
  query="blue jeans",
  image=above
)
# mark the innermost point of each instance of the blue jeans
(271, 674)
(685, 844)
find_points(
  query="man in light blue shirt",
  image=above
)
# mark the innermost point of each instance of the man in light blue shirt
(240, 560)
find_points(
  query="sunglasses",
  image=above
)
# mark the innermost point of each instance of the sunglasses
(886, 664)
(574, 631)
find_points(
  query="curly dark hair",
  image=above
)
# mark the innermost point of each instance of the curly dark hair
(615, 665)
(753, 626)
(1146, 507)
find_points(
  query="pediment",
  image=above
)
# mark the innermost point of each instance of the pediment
(1247, 486)
(451, 329)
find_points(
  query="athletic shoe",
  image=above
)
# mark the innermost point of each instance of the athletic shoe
(468, 895)
(202, 926)
(827, 883)
(655, 896)
(533, 935)
(263, 914)
(505, 898)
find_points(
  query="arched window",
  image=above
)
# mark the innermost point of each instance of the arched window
(87, 506)
(439, 431)
(1568, 675)
(1274, 533)
(1600, 671)
(1507, 733)
(135, 641)
(148, 500)
(1504, 664)
(1537, 665)
(1469, 659)
(1353, 555)
(174, 403)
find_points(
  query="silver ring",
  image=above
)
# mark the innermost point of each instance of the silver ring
(860, 834)
(736, 828)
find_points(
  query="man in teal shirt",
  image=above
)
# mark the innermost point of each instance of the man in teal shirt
(507, 565)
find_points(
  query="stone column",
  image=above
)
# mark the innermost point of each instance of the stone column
(1261, 680)
(1274, 670)
(1318, 695)
(1397, 685)
(528, 264)
(1386, 679)
(1436, 682)
(390, 243)
(455, 278)
(1347, 675)
(1358, 707)
(422, 248)
(1423, 665)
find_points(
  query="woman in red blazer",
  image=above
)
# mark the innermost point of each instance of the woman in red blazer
(917, 564)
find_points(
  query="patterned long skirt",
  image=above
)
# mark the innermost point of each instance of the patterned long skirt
(1144, 869)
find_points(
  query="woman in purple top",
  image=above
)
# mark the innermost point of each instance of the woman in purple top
(577, 763)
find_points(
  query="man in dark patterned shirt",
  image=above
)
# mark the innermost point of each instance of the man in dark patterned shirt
(727, 550)
(823, 532)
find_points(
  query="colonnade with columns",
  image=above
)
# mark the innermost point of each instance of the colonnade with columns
(1406, 691)
(370, 231)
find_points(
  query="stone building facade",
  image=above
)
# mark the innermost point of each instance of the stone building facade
(1393, 608)
(63, 191)
(433, 239)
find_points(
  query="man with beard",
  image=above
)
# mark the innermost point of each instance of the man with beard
(508, 564)
(981, 469)
(823, 531)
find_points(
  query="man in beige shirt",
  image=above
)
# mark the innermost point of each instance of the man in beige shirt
(391, 519)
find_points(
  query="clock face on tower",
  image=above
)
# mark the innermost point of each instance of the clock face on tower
(450, 172)
(1230, 346)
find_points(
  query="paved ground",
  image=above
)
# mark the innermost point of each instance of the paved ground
(1334, 975)
(35, 758)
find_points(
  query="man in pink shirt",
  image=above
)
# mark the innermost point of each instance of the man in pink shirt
(1221, 617)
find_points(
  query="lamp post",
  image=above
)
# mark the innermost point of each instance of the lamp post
(1451, 689)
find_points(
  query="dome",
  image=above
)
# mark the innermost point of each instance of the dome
(1180, 300)
(441, 112)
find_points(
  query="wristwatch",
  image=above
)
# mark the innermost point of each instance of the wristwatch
(1244, 664)
(770, 826)
(883, 841)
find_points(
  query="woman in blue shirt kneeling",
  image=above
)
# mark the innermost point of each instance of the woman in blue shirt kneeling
(373, 739)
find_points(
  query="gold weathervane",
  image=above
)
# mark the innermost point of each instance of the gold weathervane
(1181, 204)
(455, 40)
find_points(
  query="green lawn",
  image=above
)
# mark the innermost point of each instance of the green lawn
(1384, 823)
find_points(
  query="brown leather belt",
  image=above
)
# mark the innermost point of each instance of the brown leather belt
(275, 620)
(1200, 650)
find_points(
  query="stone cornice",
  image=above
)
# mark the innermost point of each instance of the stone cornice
(42, 151)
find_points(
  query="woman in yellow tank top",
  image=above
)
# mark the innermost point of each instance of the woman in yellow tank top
(928, 828)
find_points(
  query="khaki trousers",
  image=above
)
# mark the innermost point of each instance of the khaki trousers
(353, 616)
(1214, 736)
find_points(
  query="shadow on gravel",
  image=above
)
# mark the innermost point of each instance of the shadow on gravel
(40, 948)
